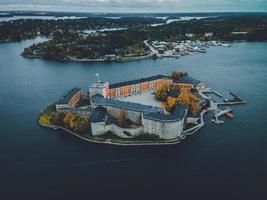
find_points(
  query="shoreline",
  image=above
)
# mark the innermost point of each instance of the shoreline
(108, 141)
(129, 59)
(70, 59)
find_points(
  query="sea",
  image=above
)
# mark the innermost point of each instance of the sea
(226, 161)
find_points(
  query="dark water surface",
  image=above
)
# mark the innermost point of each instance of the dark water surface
(224, 162)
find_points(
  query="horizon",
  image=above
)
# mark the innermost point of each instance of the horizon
(127, 12)
(135, 6)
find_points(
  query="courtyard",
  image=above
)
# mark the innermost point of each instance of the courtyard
(145, 98)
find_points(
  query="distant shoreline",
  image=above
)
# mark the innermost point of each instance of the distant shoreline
(126, 59)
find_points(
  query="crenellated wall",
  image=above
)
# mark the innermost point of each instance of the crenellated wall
(164, 129)
(101, 128)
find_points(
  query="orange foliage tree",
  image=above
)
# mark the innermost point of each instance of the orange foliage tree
(122, 119)
(176, 74)
(188, 99)
(171, 103)
(162, 92)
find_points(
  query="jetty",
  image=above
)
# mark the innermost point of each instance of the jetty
(235, 101)
(219, 113)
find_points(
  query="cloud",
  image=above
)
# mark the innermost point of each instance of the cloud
(135, 5)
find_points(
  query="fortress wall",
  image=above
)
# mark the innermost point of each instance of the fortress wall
(120, 131)
(98, 128)
(101, 128)
(164, 129)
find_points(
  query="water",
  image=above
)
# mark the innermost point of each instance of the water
(223, 162)
(5, 19)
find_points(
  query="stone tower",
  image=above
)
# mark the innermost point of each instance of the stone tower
(99, 87)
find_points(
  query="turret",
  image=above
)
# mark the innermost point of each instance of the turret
(99, 87)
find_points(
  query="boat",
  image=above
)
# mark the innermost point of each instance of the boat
(229, 115)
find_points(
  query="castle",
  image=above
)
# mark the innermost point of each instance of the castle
(107, 101)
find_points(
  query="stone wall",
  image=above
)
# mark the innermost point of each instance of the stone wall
(101, 128)
(120, 131)
(98, 128)
(164, 129)
(192, 120)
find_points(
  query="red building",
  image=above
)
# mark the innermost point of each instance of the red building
(140, 85)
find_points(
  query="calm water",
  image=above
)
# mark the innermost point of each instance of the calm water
(227, 161)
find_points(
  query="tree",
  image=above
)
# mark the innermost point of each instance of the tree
(162, 92)
(184, 98)
(171, 103)
(57, 118)
(122, 118)
(68, 118)
(81, 125)
(176, 75)
(45, 119)
(195, 107)
(188, 99)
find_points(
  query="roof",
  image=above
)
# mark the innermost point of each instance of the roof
(187, 80)
(67, 96)
(99, 100)
(150, 112)
(132, 82)
(178, 114)
(173, 93)
(98, 115)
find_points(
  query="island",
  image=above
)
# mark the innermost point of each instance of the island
(156, 110)
(126, 38)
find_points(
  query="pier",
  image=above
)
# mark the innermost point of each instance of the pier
(235, 101)
(214, 108)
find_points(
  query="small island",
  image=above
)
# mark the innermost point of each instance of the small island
(128, 39)
(156, 110)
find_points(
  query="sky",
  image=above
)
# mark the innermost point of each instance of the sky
(136, 5)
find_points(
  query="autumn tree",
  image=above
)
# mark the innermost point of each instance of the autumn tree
(77, 123)
(184, 98)
(162, 92)
(195, 107)
(45, 119)
(81, 124)
(188, 99)
(171, 103)
(68, 118)
(122, 118)
(57, 118)
(176, 75)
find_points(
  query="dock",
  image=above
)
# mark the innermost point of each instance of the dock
(235, 101)
(219, 113)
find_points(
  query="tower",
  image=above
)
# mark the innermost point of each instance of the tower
(99, 87)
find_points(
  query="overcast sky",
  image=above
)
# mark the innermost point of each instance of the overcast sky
(136, 5)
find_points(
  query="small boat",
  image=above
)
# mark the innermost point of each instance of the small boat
(229, 115)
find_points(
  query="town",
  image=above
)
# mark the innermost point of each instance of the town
(161, 109)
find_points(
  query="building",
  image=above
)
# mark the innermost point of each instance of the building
(189, 35)
(99, 87)
(140, 85)
(69, 99)
(105, 106)
(208, 34)
(150, 120)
